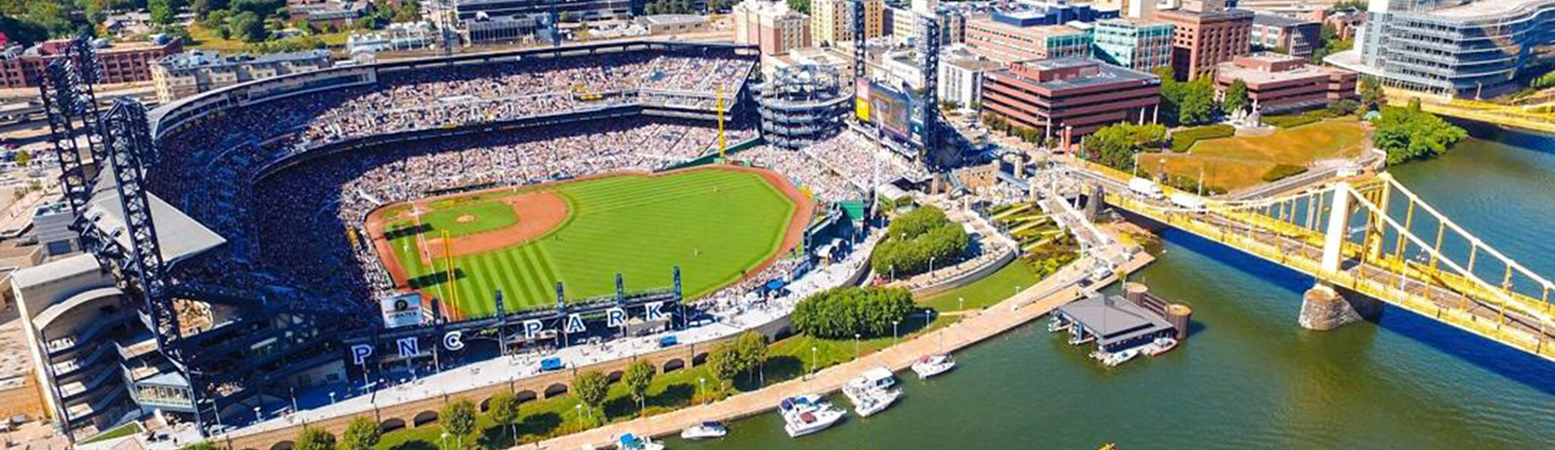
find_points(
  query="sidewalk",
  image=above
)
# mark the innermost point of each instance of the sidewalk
(1026, 306)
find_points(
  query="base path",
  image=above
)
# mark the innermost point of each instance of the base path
(1028, 305)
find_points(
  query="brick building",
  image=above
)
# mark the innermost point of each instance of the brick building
(771, 25)
(1298, 37)
(127, 62)
(1278, 83)
(1202, 39)
(1071, 97)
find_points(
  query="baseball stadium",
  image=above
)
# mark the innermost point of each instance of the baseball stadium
(529, 197)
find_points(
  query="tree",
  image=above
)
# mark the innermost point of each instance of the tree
(1371, 93)
(752, 348)
(1198, 102)
(247, 26)
(850, 311)
(638, 377)
(1115, 145)
(361, 434)
(313, 438)
(1236, 97)
(162, 11)
(458, 418)
(504, 412)
(1409, 133)
(591, 387)
(202, 445)
(917, 240)
(22, 157)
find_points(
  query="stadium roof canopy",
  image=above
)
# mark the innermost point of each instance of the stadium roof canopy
(181, 236)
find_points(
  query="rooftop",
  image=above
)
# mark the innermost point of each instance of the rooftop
(1100, 74)
(1489, 8)
(1276, 20)
(201, 58)
(1270, 67)
(662, 19)
(1113, 319)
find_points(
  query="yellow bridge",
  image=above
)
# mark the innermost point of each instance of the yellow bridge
(1374, 237)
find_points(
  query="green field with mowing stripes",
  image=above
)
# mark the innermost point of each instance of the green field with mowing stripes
(714, 223)
(486, 216)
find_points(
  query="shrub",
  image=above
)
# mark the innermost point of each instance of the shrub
(844, 312)
(1291, 121)
(1283, 171)
(917, 238)
(1182, 140)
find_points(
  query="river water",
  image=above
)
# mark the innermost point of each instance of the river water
(1250, 377)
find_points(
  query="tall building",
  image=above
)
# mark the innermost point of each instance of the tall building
(126, 62)
(1133, 43)
(1202, 39)
(905, 22)
(831, 21)
(961, 76)
(1465, 49)
(1007, 43)
(187, 74)
(1071, 97)
(1296, 36)
(1028, 14)
(1279, 83)
(771, 25)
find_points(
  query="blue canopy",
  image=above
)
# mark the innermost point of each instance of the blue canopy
(775, 285)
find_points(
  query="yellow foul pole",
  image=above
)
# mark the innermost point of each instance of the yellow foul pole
(448, 257)
(721, 144)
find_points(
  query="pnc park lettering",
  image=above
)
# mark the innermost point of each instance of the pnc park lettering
(410, 346)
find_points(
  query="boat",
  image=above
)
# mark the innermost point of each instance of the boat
(631, 441)
(1057, 325)
(872, 379)
(808, 414)
(933, 365)
(705, 430)
(1081, 339)
(1119, 357)
(874, 401)
(1161, 345)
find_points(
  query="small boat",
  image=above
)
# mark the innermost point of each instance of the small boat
(872, 379)
(631, 441)
(933, 365)
(705, 430)
(1056, 325)
(1117, 358)
(874, 401)
(1082, 339)
(815, 417)
(1162, 345)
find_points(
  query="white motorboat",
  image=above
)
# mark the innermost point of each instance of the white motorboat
(1057, 325)
(808, 414)
(1161, 345)
(933, 365)
(872, 379)
(705, 430)
(1119, 357)
(631, 441)
(874, 401)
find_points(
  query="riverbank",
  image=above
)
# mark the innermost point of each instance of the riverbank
(1024, 307)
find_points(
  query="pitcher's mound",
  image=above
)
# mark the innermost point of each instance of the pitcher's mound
(467, 218)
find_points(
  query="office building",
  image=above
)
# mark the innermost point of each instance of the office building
(772, 25)
(1010, 43)
(831, 21)
(1071, 97)
(1296, 37)
(1202, 39)
(187, 74)
(1278, 83)
(1464, 49)
(396, 37)
(125, 62)
(961, 76)
(1133, 43)
(1030, 14)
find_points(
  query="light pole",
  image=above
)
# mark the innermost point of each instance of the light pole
(331, 398)
(813, 363)
(894, 323)
(258, 416)
(702, 387)
(931, 264)
(856, 337)
(960, 303)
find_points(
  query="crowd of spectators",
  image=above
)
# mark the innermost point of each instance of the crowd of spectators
(862, 162)
(807, 174)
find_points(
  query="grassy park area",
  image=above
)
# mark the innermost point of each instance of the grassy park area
(1239, 162)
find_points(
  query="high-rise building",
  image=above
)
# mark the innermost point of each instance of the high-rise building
(1010, 43)
(1133, 43)
(771, 25)
(1202, 39)
(831, 20)
(961, 76)
(1460, 48)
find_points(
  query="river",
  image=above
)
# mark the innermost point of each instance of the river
(1250, 377)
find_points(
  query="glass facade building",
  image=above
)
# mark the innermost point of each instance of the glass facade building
(1459, 48)
(1137, 45)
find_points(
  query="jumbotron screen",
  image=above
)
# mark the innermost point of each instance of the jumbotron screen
(892, 111)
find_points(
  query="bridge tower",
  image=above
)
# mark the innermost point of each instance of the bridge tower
(1324, 307)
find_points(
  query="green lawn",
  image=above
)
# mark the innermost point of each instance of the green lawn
(485, 216)
(715, 224)
(1239, 162)
(121, 431)
(985, 292)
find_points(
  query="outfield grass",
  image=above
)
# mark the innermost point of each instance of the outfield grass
(485, 216)
(714, 224)
(1239, 162)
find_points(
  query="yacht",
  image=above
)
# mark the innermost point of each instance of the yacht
(872, 379)
(874, 401)
(631, 441)
(808, 414)
(933, 365)
(1119, 357)
(705, 430)
(1160, 345)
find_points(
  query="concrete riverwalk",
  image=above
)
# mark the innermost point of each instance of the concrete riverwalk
(1024, 307)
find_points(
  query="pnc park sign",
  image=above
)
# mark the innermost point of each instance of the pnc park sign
(410, 346)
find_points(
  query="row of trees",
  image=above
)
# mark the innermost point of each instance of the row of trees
(916, 240)
(1186, 103)
(1115, 145)
(999, 124)
(745, 355)
(1409, 133)
(843, 313)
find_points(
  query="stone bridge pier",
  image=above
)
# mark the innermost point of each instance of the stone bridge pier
(1325, 307)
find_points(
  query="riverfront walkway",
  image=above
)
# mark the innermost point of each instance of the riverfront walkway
(1024, 307)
